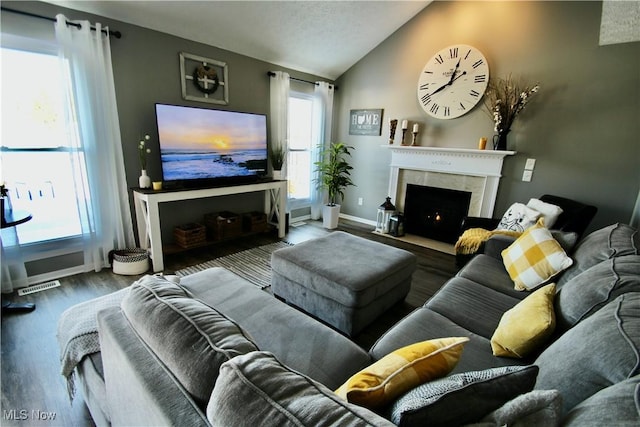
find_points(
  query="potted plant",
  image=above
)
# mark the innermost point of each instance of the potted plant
(334, 178)
(277, 160)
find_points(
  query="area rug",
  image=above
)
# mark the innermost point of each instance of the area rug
(253, 264)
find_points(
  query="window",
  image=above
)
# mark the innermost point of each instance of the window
(299, 165)
(36, 163)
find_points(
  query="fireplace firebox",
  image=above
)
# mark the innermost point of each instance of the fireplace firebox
(435, 213)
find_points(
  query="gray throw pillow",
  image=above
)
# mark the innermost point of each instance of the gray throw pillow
(608, 242)
(598, 352)
(536, 408)
(618, 405)
(462, 398)
(189, 337)
(257, 390)
(567, 239)
(590, 290)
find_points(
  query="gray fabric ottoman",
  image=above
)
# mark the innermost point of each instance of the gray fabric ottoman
(344, 280)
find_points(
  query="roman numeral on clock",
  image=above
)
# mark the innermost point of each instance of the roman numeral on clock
(434, 108)
(474, 93)
(478, 63)
(426, 99)
(447, 112)
(480, 78)
(439, 59)
(453, 53)
(424, 86)
(462, 106)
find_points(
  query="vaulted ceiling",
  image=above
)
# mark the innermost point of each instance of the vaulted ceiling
(319, 37)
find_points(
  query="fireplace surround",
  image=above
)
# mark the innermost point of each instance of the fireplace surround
(469, 170)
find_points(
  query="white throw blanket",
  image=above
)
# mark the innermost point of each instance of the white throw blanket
(78, 333)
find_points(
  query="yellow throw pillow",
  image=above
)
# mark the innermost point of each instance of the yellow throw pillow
(534, 258)
(401, 370)
(527, 325)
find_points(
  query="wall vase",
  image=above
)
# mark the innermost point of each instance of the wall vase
(144, 181)
(500, 140)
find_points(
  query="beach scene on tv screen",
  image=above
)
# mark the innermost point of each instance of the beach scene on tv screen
(198, 143)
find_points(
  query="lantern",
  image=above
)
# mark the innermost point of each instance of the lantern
(385, 211)
(396, 225)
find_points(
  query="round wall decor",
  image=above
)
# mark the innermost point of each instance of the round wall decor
(453, 81)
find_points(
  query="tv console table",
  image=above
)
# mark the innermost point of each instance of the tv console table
(148, 212)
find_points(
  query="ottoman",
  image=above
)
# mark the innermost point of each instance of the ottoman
(344, 280)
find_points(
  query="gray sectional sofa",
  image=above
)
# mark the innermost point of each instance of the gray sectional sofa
(592, 359)
(215, 350)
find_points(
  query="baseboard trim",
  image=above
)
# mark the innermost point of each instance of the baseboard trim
(300, 218)
(53, 275)
(358, 219)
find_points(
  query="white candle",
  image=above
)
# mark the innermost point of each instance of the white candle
(405, 124)
(415, 128)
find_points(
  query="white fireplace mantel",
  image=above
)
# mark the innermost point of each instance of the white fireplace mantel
(486, 164)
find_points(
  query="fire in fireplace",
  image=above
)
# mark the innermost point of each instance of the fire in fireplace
(435, 213)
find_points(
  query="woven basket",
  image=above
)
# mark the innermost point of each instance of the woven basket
(130, 261)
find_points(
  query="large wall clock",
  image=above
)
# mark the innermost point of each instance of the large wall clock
(453, 81)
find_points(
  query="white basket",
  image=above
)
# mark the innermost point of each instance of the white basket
(130, 262)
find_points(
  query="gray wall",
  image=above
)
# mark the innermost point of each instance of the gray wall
(582, 127)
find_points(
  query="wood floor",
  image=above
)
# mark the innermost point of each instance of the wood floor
(34, 391)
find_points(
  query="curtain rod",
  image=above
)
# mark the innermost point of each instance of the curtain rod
(115, 34)
(272, 74)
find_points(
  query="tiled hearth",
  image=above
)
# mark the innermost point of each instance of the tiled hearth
(475, 171)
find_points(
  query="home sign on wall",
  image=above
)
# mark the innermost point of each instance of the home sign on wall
(203, 79)
(365, 122)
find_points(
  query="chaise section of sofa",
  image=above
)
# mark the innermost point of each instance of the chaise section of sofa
(297, 340)
(163, 348)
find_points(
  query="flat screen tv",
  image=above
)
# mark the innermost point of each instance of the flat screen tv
(202, 147)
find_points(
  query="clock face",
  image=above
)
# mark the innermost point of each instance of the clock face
(453, 81)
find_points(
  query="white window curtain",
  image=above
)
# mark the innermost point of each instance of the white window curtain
(98, 164)
(323, 113)
(14, 273)
(279, 104)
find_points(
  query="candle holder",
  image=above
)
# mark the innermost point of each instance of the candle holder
(405, 125)
(392, 130)
(415, 135)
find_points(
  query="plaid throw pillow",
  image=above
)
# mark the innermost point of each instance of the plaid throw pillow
(534, 258)
(380, 383)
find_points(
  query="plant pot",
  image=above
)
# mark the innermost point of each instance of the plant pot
(330, 216)
(277, 174)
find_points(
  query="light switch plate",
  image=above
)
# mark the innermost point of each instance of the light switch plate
(526, 176)
(531, 163)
